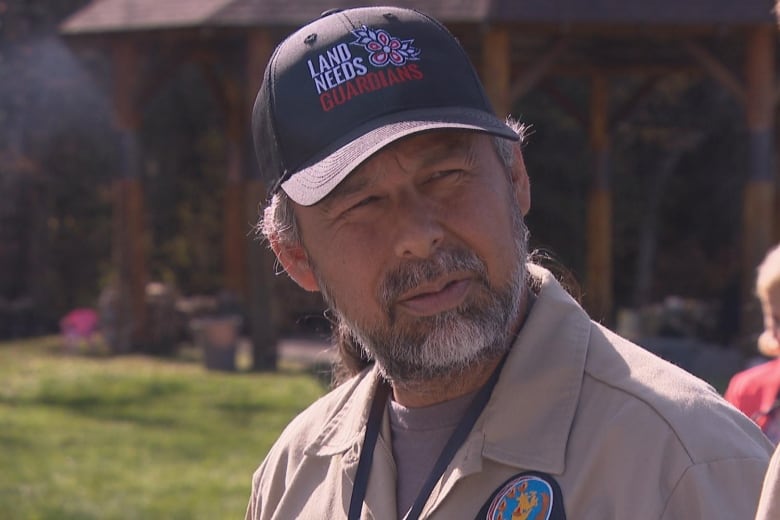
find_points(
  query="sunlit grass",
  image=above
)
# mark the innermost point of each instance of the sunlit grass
(133, 437)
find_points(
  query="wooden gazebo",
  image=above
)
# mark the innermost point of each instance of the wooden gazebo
(513, 43)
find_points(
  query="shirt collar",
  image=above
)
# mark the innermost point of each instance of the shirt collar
(345, 427)
(528, 419)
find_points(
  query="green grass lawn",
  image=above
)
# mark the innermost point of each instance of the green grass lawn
(133, 437)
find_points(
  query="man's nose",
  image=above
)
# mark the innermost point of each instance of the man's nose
(418, 231)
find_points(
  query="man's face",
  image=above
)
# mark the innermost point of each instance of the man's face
(421, 252)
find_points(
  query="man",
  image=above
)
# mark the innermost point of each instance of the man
(487, 392)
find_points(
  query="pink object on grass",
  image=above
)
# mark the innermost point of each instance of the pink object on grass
(79, 323)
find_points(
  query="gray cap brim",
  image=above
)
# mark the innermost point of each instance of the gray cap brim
(314, 182)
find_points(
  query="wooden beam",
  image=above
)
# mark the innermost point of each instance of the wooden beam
(760, 76)
(236, 224)
(565, 103)
(639, 95)
(535, 71)
(715, 68)
(598, 283)
(496, 65)
(126, 84)
(759, 195)
(758, 212)
(236, 228)
(599, 119)
(129, 314)
(263, 321)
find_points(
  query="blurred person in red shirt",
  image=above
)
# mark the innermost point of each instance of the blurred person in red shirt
(755, 390)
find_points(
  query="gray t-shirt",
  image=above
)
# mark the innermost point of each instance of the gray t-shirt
(419, 435)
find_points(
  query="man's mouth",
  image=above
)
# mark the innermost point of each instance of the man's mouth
(435, 298)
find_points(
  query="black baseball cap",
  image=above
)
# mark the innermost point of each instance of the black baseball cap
(353, 81)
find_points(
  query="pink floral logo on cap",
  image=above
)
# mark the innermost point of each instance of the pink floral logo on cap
(383, 48)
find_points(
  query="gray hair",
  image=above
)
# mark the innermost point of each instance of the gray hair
(278, 218)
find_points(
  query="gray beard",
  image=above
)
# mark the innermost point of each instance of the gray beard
(416, 350)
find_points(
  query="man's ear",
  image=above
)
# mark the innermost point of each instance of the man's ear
(296, 263)
(520, 181)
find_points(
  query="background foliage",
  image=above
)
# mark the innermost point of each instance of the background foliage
(677, 168)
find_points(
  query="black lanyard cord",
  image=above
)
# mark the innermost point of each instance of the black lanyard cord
(457, 438)
(367, 453)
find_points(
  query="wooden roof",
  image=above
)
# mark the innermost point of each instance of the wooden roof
(673, 12)
(112, 16)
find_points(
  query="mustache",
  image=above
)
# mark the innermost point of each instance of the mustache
(412, 273)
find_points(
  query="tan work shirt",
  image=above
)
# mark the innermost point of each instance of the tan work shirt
(624, 434)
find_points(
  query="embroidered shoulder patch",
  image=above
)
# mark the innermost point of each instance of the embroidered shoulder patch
(527, 496)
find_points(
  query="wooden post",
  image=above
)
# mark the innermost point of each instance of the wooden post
(759, 196)
(128, 308)
(598, 278)
(262, 322)
(496, 64)
(236, 225)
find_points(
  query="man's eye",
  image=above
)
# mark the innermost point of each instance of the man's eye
(363, 203)
(443, 174)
